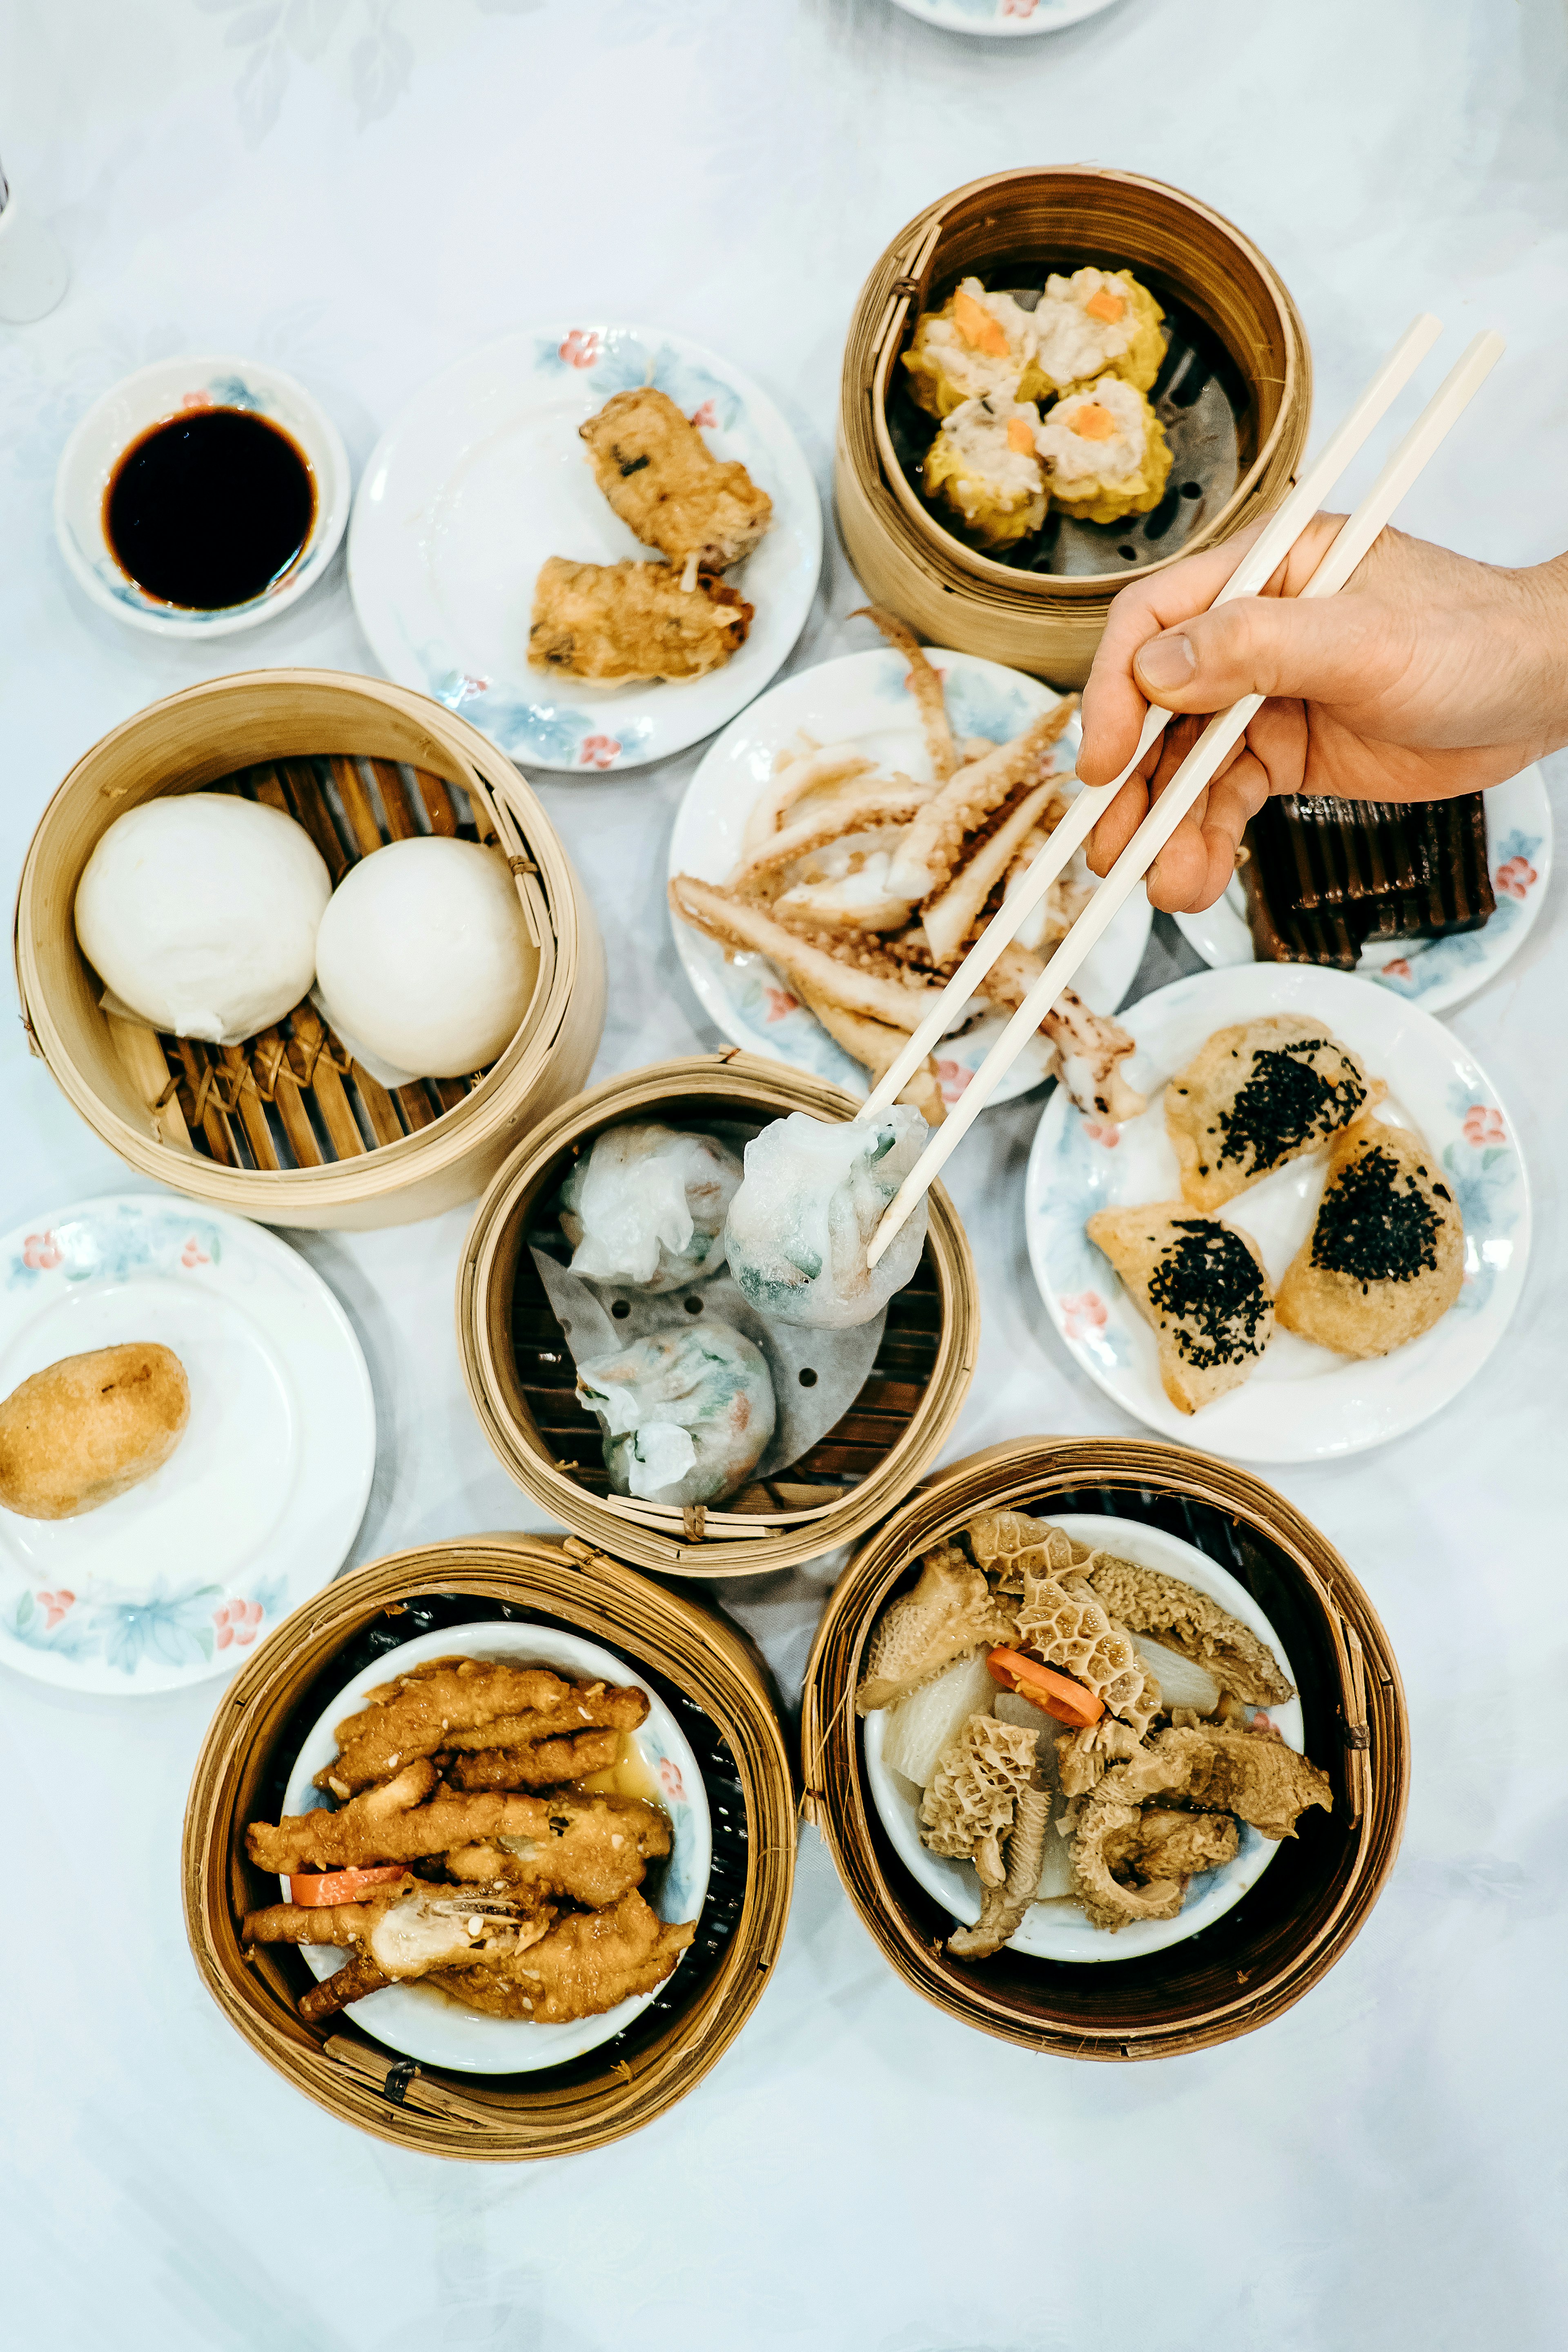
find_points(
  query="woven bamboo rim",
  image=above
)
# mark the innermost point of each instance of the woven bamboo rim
(116, 1074)
(904, 1422)
(1256, 1962)
(1050, 623)
(272, 1701)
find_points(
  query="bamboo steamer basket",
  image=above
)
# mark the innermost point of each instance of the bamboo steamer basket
(703, 1671)
(1284, 1934)
(1010, 228)
(520, 1378)
(289, 1128)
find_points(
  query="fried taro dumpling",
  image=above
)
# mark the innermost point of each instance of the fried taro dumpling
(1386, 1257)
(1256, 1095)
(949, 1613)
(1147, 1601)
(1061, 1621)
(1009, 1544)
(1202, 1288)
(968, 1810)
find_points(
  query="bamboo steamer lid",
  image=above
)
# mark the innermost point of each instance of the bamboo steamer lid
(520, 1378)
(292, 1132)
(1252, 1963)
(701, 1666)
(1011, 228)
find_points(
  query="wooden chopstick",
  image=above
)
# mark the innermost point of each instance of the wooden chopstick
(1218, 740)
(1278, 536)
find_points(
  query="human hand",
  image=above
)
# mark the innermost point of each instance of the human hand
(1428, 675)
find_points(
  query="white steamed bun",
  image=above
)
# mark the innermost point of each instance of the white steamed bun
(199, 911)
(424, 957)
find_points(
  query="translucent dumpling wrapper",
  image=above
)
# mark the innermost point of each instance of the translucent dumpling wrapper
(686, 1414)
(646, 1207)
(802, 1223)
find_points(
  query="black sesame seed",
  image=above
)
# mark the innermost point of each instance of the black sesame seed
(1375, 1224)
(1286, 1102)
(1212, 1288)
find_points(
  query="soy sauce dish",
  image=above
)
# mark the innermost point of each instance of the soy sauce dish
(201, 495)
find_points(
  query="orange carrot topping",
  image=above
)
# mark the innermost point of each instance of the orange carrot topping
(1107, 305)
(317, 1887)
(1092, 422)
(979, 329)
(1021, 435)
(1058, 1695)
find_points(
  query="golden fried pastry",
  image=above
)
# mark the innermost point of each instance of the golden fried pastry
(1256, 1095)
(1386, 1257)
(666, 486)
(1202, 1288)
(74, 1436)
(616, 622)
(588, 1963)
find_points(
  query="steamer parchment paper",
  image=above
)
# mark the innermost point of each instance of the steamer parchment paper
(839, 1361)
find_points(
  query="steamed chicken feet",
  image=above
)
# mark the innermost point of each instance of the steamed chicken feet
(588, 1963)
(471, 1703)
(399, 1934)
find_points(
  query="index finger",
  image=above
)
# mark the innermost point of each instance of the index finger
(1113, 704)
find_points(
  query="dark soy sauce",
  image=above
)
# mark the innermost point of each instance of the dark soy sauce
(208, 508)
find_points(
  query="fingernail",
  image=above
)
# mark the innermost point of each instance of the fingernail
(1166, 662)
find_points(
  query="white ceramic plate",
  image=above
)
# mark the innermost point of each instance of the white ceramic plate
(425, 2023)
(483, 476)
(153, 393)
(1057, 1930)
(863, 699)
(1434, 973)
(257, 1507)
(999, 19)
(1303, 1403)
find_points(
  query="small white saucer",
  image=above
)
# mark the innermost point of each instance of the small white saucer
(1000, 20)
(146, 398)
(1059, 1931)
(421, 2021)
(257, 1507)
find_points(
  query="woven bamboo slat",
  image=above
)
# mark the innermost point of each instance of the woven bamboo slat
(288, 1127)
(522, 1381)
(701, 1667)
(1012, 228)
(1308, 1907)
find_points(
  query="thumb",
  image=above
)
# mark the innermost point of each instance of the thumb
(1316, 650)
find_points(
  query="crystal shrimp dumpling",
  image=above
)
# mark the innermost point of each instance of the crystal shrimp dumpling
(646, 1207)
(814, 1194)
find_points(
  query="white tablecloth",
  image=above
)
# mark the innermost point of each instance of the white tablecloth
(362, 191)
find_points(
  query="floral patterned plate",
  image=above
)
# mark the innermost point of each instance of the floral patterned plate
(862, 698)
(483, 476)
(998, 19)
(1303, 1403)
(1057, 1930)
(425, 2023)
(1436, 974)
(260, 1500)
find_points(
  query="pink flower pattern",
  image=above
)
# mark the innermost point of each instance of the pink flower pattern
(1019, 7)
(1483, 1126)
(1398, 968)
(581, 348)
(780, 1002)
(1105, 1135)
(193, 1255)
(704, 418)
(671, 1781)
(42, 1251)
(1084, 1313)
(952, 1077)
(1517, 876)
(53, 1606)
(238, 1621)
(599, 751)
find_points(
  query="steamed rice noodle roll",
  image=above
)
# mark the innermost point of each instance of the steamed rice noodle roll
(686, 1414)
(646, 1207)
(802, 1221)
(977, 344)
(1105, 453)
(984, 464)
(1097, 323)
